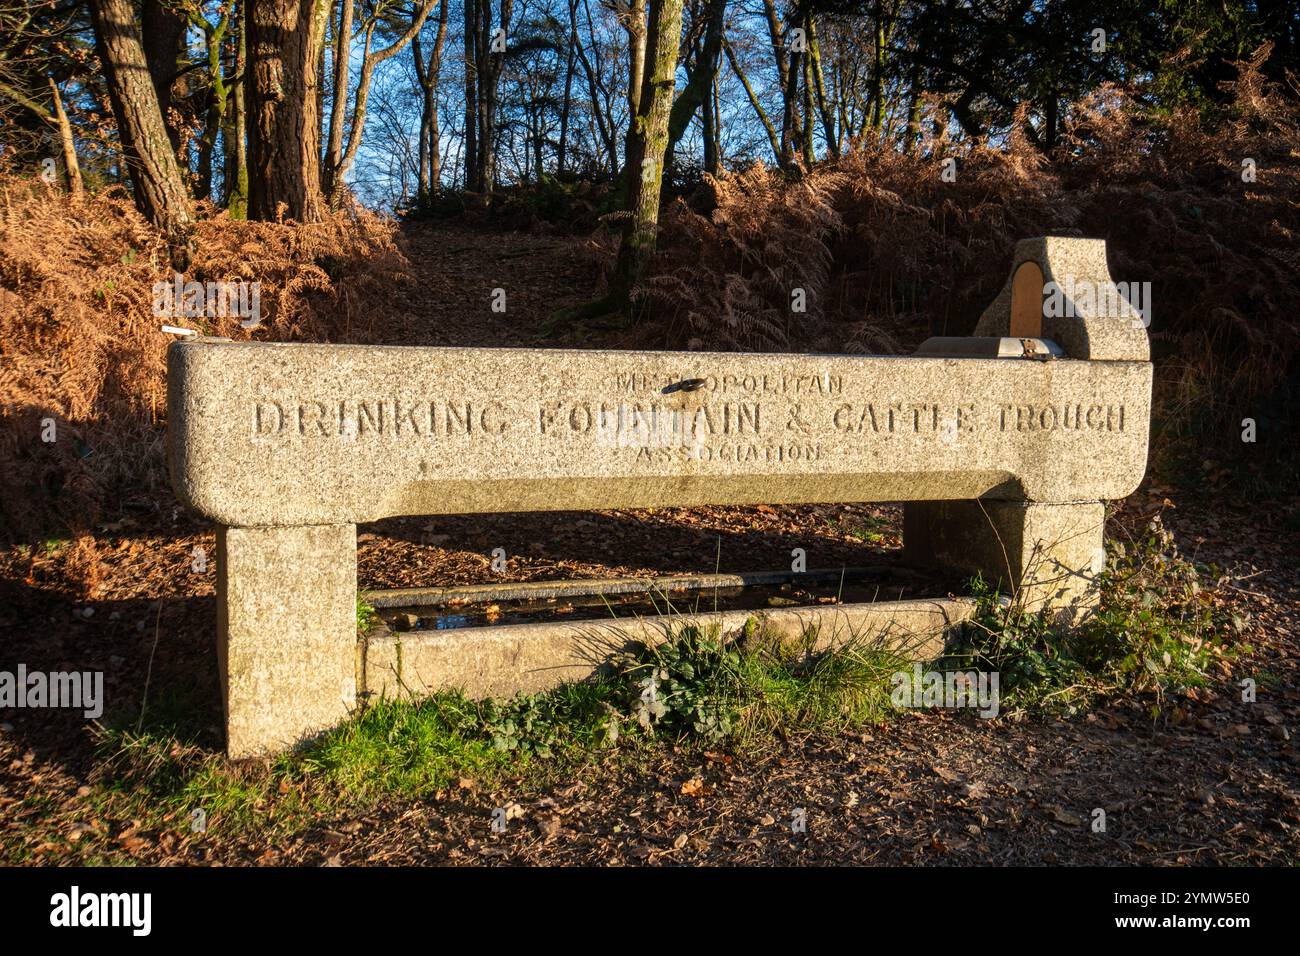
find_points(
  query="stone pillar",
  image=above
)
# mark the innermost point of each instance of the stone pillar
(1048, 554)
(287, 632)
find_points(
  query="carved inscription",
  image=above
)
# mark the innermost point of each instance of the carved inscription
(924, 417)
(359, 418)
(732, 385)
(767, 420)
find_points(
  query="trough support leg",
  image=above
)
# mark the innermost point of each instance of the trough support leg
(1047, 554)
(287, 633)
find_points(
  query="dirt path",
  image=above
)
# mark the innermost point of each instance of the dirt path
(458, 271)
(929, 789)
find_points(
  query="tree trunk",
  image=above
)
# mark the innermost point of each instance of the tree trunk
(284, 47)
(537, 122)
(819, 88)
(489, 63)
(788, 72)
(1051, 120)
(471, 8)
(214, 37)
(791, 136)
(236, 144)
(472, 14)
(699, 76)
(709, 133)
(71, 167)
(755, 102)
(202, 183)
(807, 140)
(567, 102)
(483, 73)
(913, 108)
(146, 149)
(650, 140)
(427, 73)
(337, 166)
(163, 38)
(599, 111)
(877, 98)
(321, 49)
(431, 98)
(342, 51)
(634, 24)
(648, 146)
(716, 99)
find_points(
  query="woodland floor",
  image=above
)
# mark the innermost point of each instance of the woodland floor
(1212, 781)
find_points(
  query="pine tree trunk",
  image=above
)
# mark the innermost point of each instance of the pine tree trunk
(284, 48)
(163, 36)
(160, 192)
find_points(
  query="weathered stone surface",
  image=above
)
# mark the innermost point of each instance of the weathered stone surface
(1097, 326)
(500, 661)
(277, 434)
(292, 445)
(959, 346)
(287, 632)
(653, 587)
(1048, 555)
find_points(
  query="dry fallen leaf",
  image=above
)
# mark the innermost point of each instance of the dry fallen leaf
(946, 775)
(1062, 815)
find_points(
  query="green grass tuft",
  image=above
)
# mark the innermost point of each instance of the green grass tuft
(366, 616)
(743, 688)
(404, 748)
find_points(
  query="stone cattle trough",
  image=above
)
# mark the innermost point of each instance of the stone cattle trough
(1004, 445)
